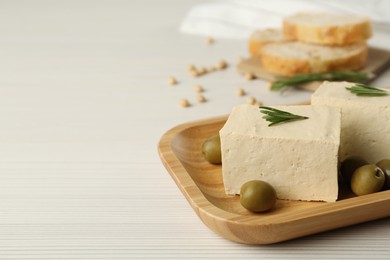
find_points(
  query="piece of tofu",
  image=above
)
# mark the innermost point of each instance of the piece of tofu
(298, 158)
(365, 121)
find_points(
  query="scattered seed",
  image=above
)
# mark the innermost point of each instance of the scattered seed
(251, 101)
(194, 73)
(240, 92)
(221, 65)
(184, 103)
(249, 76)
(201, 99)
(191, 67)
(202, 70)
(172, 81)
(210, 40)
(198, 89)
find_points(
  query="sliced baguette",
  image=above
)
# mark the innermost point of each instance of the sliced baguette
(327, 28)
(260, 38)
(292, 58)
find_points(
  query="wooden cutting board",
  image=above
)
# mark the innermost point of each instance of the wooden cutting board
(378, 61)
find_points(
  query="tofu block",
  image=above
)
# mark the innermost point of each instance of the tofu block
(365, 121)
(298, 158)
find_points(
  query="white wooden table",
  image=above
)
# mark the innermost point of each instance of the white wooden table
(83, 103)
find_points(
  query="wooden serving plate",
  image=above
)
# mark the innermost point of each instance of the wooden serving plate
(377, 61)
(202, 185)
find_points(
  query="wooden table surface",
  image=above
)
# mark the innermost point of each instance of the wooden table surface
(84, 101)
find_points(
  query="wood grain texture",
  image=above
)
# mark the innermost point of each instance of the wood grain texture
(202, 185)
(378, 61)
(84, 102)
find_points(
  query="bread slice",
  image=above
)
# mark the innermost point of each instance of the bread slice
(260, 38)
(327, 28)
(292, 58)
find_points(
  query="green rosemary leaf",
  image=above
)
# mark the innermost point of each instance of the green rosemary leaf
(368, 91)
(276, 116)
(300, 79)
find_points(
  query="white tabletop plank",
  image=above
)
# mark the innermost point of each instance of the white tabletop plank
(83, 103)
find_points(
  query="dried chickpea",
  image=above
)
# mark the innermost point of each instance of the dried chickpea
(184, 103)
(191, 67)
(172, 81)
(221, 65)
(249, 76)
(194, 73)
(198, 89)
(201, 99)
(202, 70)
(240, 92)
(210, 40)
(251, 101)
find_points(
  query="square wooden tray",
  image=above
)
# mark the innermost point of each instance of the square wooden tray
(202, 185)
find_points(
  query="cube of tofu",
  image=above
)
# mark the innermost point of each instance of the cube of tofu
(365, 121)
(298, 158)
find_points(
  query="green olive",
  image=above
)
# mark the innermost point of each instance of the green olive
(385, 167)
(349, 165)
(257, 196)
(211, 149)
(367, 179)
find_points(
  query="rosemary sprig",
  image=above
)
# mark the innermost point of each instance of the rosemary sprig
(365, 90)
(276, 116)
(299, 79)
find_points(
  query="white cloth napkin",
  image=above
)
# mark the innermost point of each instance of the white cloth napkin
(239, 18)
